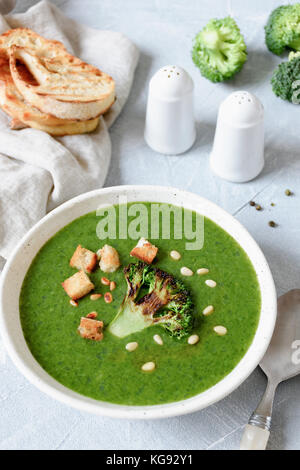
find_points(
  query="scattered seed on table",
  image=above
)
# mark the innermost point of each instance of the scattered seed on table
(258, 207)
(131, 346)
(210, 283)
(108, 298)
(288, 192)
(175, 255)
(112, 285)
(74, 303)
(95, 296)
(158, 340)
(202, 271)
(148, 366)
(186, 271)
(252, 203)
(272, 204)
(208, 310)
(220, 330)
(193, 339)
(272, 223)
(105, 281)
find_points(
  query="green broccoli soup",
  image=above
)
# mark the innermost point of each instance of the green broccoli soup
(192, 327)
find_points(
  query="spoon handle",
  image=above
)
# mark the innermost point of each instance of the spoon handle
(257, 431)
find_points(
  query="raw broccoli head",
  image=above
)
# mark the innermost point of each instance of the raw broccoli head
(283, 29)
(153, 297)
(284, 79)
(219, 50)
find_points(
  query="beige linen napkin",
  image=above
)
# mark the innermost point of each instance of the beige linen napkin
(39, 172)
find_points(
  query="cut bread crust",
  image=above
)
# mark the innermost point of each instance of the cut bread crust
(72, 128)
(66, 87)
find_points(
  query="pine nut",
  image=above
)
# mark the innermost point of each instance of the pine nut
(193, 339)
(95, 296)
(202, 271)
(210, 283)
(131, 346)
(148, 366)
(175, 255)
(186, 271)
(220, 330)
(208, 310)
(105, 281)
(92, 315)
(158, 340)
(108, 298)
(112, 285)
(74, 303)
(98, 253)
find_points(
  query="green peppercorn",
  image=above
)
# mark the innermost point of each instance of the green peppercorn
(258, 207)
(288, 192)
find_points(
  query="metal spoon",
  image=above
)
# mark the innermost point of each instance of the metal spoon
(6, 6)
(281, 362)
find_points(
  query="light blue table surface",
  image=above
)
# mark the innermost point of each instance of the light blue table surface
(163, 31)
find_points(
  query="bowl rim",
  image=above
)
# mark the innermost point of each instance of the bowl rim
(35, 374)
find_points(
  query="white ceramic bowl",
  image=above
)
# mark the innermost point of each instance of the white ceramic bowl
(19, 262)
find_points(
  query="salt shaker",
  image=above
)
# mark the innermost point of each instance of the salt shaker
(238, 149)
(170, 124)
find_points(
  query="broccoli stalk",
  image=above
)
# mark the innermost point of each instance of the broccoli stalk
(153, 297)
(219, 50)
(285, 79)
(283, 29)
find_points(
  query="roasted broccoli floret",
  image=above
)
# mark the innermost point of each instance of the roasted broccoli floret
(283, 29)
(153, 297)
(286, 80)
(219, 49)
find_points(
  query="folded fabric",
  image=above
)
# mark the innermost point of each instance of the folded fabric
(39, 172)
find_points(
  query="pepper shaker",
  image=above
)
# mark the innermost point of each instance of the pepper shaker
(170, 123)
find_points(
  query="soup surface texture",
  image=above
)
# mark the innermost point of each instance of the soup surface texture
(105, 370)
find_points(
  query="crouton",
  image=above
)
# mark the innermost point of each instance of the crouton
(78, 285)
(83, 259)
(144, 250)
(109, 259)
(91, 329)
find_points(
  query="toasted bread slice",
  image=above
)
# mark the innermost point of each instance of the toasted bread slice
(23, 115)
(64, 86)
(25, 37)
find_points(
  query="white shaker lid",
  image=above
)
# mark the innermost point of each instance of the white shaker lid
(241, 109)
(171, 83)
